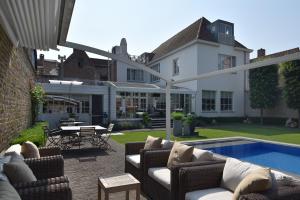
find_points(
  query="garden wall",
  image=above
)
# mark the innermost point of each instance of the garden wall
(16, 79)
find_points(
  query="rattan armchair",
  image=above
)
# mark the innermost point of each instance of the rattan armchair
(158, 159)
(209, 176)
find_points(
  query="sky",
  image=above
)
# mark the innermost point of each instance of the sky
(269, 24)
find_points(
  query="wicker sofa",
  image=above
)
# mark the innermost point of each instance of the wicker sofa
(161, 182)
(199, 182)
(134, 156)
(51, 183)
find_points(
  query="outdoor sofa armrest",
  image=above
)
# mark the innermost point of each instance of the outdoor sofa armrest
(281, 193)
(133, 147)
(49, 151)
(175, 173)
(61, 191)
(46, 167)
(42, 182)
(199, 177)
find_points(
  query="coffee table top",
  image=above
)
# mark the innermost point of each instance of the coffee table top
(125, 180)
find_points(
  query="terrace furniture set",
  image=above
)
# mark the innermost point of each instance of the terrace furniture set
(24, 177)
(68, 136)
(206, 176)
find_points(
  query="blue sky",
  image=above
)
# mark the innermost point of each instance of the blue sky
(270, 24)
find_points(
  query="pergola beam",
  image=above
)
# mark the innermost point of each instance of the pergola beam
(266, 62)
(169, 83)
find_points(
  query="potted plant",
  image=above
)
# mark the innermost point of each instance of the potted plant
(189, 125)
(177, 123)
(146, 120)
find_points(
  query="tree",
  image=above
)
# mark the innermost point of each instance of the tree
(37, 97)
(291, 90)
(263, 88)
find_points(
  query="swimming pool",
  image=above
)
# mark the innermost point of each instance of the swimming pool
(277, 156)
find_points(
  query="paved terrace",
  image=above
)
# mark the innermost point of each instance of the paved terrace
(84, 166)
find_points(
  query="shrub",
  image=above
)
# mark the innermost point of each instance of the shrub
(34, 134)
(177, 116)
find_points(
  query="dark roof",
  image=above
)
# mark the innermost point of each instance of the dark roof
(82, 55)
(197, 30)
(278, 54)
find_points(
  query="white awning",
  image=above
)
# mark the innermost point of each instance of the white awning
(36, 24)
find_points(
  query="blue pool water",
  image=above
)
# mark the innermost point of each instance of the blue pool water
(281, 157)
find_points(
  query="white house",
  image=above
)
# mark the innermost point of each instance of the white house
(201, 47)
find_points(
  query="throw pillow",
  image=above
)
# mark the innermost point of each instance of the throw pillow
(234, 172)
(202, 155)
(18, 171)
(3, 160)
(180, 153)
(30, 150)
(14, 150)
(258, 180)
(8, 192)
(152, 143)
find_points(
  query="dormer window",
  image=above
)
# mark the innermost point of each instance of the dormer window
(226, 29)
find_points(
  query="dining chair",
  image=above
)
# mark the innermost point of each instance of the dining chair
(105, 137)
(87, 134)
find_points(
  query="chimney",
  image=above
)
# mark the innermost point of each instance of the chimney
(261, 52)
(42, 57)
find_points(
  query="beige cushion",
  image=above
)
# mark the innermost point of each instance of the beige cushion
(18, 171)
(30, 150)
(257, 181)
(234, 172)
(162, 175)
(135, 160)
(180, 153)
(14, 150)
(8, 192)
(209, 194)
(202, 155)
(167, 144)
(153, 143)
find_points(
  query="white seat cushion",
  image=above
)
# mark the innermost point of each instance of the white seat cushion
(209, 194)
(135, 160)
(162, 175)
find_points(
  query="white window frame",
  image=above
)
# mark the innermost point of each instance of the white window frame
(135, 75)
(229, 96)
(232, 60)
(175, 67)
(213, 93)
(153, 78)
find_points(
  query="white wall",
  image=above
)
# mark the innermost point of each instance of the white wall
(207, 62)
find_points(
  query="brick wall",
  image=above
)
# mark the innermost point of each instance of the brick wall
(16, 79)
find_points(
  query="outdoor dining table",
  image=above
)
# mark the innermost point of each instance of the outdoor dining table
(68, 133)
(67, 129)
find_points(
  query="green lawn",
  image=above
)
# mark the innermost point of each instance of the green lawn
(273, 133)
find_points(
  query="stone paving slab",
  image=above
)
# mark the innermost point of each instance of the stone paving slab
(84, 166)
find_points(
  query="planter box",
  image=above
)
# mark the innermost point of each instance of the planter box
(177, 128)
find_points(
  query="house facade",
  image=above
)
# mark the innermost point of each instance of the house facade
(117, 91)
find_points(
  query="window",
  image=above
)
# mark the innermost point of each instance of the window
(226, 29)
(226, 101)
(85, 106)
(175, 67)
(135, 75)
(153, 78)
(208, 100)
(226, 61)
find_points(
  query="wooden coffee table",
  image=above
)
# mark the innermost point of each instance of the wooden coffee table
(121, 183)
